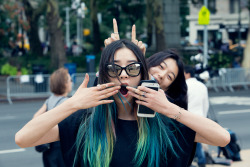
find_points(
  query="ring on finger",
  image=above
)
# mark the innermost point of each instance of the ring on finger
(116, 32)
(143, 94)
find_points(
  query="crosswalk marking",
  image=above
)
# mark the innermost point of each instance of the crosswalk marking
(12, 151)
(234, 112)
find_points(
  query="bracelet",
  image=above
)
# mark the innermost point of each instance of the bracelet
(178, 116)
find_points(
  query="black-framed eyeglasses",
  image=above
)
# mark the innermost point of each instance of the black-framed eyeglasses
(132, 69)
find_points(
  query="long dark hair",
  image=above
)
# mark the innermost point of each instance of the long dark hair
(96, 136)
(177, 91)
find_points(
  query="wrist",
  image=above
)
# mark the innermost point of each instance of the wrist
(174, 112)
(70, 105)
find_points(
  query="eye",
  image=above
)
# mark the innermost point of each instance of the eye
(169, 77)
(161, 66)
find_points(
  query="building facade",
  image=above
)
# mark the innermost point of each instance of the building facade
(225, 18)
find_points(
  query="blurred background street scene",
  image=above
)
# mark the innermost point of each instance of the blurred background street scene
(40, 36)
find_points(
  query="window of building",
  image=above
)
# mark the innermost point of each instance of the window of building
(212, 6)
(234, 6)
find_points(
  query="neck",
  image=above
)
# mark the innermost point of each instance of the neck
(65, 94)
(127, 113)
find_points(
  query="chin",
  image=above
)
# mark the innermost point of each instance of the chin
(129, 99)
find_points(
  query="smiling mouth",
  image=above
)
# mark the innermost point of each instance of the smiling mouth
(124, 90)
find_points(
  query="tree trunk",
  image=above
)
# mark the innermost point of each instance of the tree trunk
(57, 50)
(150, 17)
(95, 25)
(159, 26)
(32, 17)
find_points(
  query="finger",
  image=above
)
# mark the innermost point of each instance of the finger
(114, 37)
(85, 81)
(104, 102)
(107, 85)
(131, 89)
(109, 41)
(143, 49)
(133, 34)
(106, 43)
(144, 103)
(162, 91)
(107, 95)
(115, 26)
(116, 32)
(139, 44)
(145, 89)
(135, 42)
(109, 89)
(138, 96)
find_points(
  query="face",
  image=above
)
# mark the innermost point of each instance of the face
(165, 73)
(124, 57)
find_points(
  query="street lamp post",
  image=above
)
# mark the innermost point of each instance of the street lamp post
(67, 9)
(80, 12)
(205, 47)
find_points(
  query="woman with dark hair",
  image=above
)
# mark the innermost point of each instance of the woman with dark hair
(174, 86)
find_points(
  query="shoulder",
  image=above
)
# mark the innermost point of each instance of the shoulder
(194, 85)
(74, 120)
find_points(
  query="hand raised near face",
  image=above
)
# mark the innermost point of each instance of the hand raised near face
(114, 36)
(156, 100)
(135, 41)
(90, 97)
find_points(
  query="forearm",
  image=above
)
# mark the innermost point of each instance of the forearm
(206, 129)
(39, 126)
(40, 111)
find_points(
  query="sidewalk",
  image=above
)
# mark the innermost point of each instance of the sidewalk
(245, 156)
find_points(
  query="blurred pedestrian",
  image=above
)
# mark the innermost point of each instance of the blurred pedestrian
(197, 103)
(60, 86)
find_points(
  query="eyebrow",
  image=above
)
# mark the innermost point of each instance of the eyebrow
(170, 71)
(130, 61)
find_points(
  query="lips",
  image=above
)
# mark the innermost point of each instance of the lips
(124, 90)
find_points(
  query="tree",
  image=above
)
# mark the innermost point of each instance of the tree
(163, 21)
(33, 11)
(95, 26)
(154, 14)
(57, 50)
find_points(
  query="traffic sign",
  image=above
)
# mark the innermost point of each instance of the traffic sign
(204, 16)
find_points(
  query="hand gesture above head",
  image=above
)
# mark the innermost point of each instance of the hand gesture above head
(135, 41)
(115, 36)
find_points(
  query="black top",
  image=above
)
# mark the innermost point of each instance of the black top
(124, 150)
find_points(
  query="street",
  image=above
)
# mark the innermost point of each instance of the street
(232, 111)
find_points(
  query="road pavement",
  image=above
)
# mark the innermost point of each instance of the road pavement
(232, 111)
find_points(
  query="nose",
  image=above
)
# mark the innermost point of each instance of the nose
(123, 74)
(162, 74)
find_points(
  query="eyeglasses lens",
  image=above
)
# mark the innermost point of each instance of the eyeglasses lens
(131, 69)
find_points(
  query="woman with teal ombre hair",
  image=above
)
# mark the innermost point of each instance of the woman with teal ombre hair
(99, 127)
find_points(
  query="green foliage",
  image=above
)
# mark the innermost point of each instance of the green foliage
(184, 11)
(24, 71)
(220, 60)
(8, 69)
